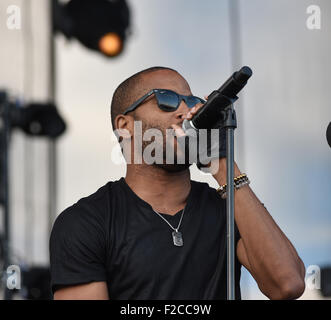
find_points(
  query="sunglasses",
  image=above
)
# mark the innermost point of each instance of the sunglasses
(167, 100)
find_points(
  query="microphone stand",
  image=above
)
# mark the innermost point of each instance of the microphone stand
(230, 123)
(221, 101)
(229, 120)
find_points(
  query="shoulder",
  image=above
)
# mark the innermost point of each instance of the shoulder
(90, 212)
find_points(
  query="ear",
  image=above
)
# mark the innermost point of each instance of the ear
(124, 126)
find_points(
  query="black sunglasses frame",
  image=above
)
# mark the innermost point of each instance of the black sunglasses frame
(137, 103)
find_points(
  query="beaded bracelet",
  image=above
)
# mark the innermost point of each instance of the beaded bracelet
(239, 182)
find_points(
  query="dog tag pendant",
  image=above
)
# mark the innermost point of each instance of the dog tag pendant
(177, 238)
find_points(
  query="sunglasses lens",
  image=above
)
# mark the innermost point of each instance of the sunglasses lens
(167, 100)
(191, 101)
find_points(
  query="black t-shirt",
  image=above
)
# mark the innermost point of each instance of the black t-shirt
(115, 236)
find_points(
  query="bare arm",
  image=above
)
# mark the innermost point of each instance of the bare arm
(90, 291)
(263, 248)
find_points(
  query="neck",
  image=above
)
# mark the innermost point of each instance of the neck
(165, 191)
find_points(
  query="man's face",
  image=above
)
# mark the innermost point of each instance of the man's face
(153, 117)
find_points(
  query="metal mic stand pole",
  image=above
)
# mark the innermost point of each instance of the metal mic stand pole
(230, 123)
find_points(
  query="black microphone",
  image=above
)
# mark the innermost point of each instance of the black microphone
(328, 134)
(218, 100)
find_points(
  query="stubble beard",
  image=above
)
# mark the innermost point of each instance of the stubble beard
(173, 166)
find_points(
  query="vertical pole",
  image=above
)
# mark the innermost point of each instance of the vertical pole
(236, 57)
(6, 204)
(236, 62)
(235, 35)
(52, 150)
(230, 213)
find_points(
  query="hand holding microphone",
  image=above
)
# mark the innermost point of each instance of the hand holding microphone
(210, 145)
(211, 115)
(218, 100)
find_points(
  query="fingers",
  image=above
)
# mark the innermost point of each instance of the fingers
(179, 132)
(193, 111)
(190, 114)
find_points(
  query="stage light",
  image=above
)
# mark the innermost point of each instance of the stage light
(328, 134)
(34, 119)
(111, 44)
(38, 119)
(100, 25)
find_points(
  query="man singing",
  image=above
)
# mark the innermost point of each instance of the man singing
(157, 234)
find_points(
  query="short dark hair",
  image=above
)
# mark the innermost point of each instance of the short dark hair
(126, 93)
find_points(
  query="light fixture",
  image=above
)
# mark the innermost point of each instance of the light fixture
(100, 25)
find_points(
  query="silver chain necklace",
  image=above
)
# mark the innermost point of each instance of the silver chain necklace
(176, 235)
